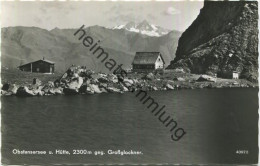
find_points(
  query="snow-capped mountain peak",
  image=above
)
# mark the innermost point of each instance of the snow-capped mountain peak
(144, 28)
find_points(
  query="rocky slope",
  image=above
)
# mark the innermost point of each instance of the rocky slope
(222, 39)
(21, 45)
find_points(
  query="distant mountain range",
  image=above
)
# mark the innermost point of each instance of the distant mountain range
(21, 45)
(144, 28)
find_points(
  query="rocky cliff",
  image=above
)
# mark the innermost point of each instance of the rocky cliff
(222, 39)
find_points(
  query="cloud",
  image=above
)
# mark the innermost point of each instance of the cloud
(125, 17)
(122, 14)
(118, 8)
(171, 11)
(55, 6)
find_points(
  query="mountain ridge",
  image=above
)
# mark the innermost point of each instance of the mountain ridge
(144, 28)
(25, 44)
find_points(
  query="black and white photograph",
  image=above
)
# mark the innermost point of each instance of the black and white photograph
(129, 82)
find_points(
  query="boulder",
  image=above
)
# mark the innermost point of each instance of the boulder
(209, 86)
(94, 88)
(56, 91)
(122, 88)
(149, 76)
(37, 82)
(102, 85)
(235, 83)
(50, 84)
(179, 70)
(5, 86)
(89, 90)
(206, 78)
(46, 87)
(169, 87)
(69, 91)
(83, 88)
(38, 92)
(155, 88)
(128, 82)
(103, 80)
(112, 78)
(180, 79)
(94, 81)
(6, 93)
(113, 89)
(57, 83)
(64, 76)
(75, 75)
(13, 89)
(120, 78)
(75, 83)
(71, 71)
(87, 74)
(103, 90)
(24, 91)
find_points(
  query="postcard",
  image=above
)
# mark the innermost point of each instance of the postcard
(129, 82)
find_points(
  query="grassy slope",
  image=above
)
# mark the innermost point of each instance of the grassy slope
(24, 78)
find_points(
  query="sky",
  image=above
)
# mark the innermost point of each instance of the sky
(174, 15)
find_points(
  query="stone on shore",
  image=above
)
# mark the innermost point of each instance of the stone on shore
(37, 82)
(112, 78)
(6, 93)
(24, 91)
(55, 91)
(122, 88)
(69, 91)
(13, 89)
(94, 88)
(149, 76)
(103, 90)
(169, 87)
(5, 86)
(206, 78)
(179, 79)
(75, 83)
(113, 89)
(128, 82)
(79, 80)
(103, 80)
(38, 92)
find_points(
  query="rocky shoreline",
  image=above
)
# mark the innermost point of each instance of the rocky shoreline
(79, 80)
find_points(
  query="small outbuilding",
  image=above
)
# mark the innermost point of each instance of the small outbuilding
(39, 66)
(235, 75)
(148, 61)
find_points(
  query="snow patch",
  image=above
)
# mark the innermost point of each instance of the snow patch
(149, 30)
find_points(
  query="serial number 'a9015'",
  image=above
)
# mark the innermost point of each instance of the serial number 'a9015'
(242, 152)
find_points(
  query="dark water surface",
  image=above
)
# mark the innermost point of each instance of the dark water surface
(218, 122)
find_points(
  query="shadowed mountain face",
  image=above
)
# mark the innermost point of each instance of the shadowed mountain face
(21, 45)
(222, 39)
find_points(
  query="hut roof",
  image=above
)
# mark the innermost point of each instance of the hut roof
(44, 60)
(146, 57)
